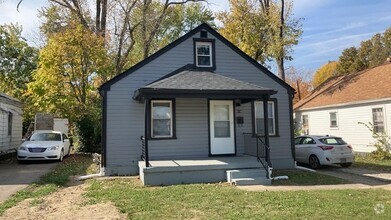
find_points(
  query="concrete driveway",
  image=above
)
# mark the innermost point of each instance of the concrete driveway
(14, 176)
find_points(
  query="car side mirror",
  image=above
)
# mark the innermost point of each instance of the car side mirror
(23, 139)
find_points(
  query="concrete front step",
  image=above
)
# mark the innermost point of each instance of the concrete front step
(248, 177)
(252, 181)
(245, 173)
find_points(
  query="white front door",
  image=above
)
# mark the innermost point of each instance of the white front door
(222, 136)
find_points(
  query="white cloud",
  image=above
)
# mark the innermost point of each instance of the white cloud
(347, 27)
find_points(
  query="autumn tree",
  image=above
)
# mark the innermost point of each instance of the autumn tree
(17, 61)
(387, 42)
(298, 79)
(70, 66)
(370, 53)
(132, 29)
(180, 20)
(377, 54)
(324, 72)
(348, 61)
(263, 29)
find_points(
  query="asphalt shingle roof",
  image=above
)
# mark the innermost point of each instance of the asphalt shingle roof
(203, 80)
(367, 85)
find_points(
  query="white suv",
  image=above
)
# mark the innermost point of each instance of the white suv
(318, 150)
(44, 145)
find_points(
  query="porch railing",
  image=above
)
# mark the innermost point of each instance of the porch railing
(144, 153)
(255, 146)
(263, 155)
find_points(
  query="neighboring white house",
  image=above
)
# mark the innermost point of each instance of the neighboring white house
(10, 123)
(338, 105)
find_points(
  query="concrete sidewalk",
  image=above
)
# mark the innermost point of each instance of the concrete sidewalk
(359, 178)
(380, 175)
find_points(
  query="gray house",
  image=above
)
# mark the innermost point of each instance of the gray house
(195, 110)
(10, 124)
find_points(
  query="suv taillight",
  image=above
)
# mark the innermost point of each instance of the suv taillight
(326, 147)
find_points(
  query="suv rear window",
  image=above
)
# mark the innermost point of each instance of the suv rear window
(334, 141)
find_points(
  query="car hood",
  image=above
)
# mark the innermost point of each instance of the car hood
(33, 144)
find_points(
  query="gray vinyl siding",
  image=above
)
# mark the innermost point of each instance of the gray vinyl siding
(125, 117)
(192, 133)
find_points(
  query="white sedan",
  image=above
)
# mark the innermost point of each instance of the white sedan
(44, 145)
(323, 150)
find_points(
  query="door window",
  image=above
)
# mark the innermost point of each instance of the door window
(221, 121)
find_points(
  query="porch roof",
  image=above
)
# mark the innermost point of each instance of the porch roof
(201, 84)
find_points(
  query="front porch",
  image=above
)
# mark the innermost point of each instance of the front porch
(201, 170)
(204, 115)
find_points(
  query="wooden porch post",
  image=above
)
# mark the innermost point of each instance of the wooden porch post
(266, 118)
(146, 129)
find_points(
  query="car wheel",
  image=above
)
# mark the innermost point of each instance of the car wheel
(61, 155)
(314, 162)
(346, 164)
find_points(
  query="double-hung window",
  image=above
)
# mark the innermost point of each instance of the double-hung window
(259, 118)
(333, 120)
(378, 120)
(162, 119)
(204, 54)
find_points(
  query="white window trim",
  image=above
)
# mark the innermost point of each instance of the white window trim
(336, 118)
(384, 115)
(201, 43)
(274, 116)
(171, 119)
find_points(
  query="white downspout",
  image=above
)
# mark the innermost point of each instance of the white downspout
(101, 169)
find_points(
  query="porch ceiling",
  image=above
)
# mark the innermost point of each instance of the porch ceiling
(201, 84)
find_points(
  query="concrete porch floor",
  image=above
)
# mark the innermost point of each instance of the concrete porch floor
(201, 170)
(234, 161)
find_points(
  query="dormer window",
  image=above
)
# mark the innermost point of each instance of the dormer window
(204, 54)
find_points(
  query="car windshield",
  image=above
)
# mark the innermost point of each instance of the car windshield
(333, 141)
(45, 137)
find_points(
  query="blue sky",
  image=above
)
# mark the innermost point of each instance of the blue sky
(329, 25)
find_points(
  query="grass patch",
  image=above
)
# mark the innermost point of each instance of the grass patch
(58, 177)
(304, 178)
(222, 201)
(367, 162)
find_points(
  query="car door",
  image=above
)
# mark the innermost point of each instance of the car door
(307, 146)
(66, 143)
(298, 149)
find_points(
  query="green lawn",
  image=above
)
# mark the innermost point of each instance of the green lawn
(222, 201)
(305, 178)
(367, 162)
(73, 165)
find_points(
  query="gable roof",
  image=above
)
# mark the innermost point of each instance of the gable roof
(203, 26)
(4, 98)
(364, 86)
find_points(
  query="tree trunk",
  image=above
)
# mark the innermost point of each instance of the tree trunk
(97, 17)
(103, 19)
(281, 54)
